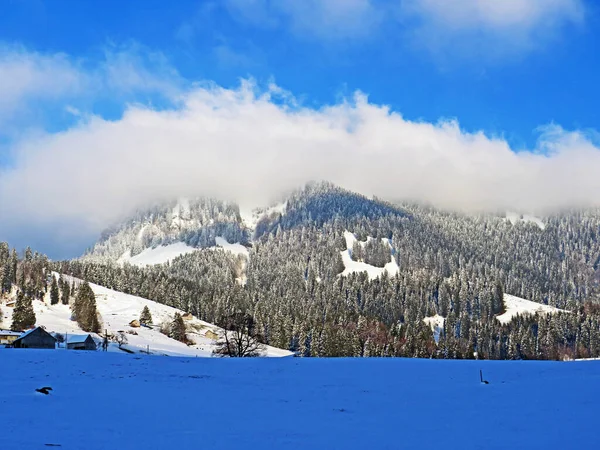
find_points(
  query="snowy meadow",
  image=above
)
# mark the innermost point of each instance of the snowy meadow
(118, 401)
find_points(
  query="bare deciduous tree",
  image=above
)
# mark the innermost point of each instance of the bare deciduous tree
(120, 338)
(239, 339)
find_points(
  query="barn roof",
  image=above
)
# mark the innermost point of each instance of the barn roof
(77, 338)
(28, 332)
(9, 333)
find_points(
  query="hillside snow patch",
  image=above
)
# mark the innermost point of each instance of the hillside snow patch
(515, 218)
(519, 306)
(236, 249)
(437, 325)
(118, 310)
(157, 255)
(373, 272)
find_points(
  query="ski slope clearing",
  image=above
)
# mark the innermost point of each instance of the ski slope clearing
(105, 401)
(373, 272)
(515, 218)
(251, 216)
(437, 325)
(166, 253)
(519, 306)
(157, 255)
(236, 249)
(118, 310)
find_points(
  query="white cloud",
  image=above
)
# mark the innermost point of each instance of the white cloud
(242, 144)
(489, 27)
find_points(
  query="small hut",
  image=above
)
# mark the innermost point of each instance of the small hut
(35, 338)
(8, 336)
(187, 316)
(81, 342)
(211, 335)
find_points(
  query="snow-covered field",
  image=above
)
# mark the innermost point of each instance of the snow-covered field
(106, 401)
(118, 310)
(373, 272)
(516, 305)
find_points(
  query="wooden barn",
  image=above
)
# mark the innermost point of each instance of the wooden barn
(81, 342)
(35, 338)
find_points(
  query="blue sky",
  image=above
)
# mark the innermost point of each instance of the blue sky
(515, 75)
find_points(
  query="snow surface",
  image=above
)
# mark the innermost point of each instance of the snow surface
(152, 403)
(519, 306)
(158, 255)
(514, 218)
(373, 272)
(118, 310)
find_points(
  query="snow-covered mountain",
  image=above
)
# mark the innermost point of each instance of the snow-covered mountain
(163, 232)
(328, 272)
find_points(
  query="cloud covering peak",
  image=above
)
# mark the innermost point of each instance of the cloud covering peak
(249, 144)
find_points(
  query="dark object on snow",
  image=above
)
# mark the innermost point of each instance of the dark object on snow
(481, 378)
(36, 338)
(45, 390)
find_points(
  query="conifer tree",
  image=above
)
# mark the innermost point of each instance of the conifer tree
(84, 309)
(66, 292)
(145, 316)
(7, 277)
(23, 314)
(54, 292)
(178, 328)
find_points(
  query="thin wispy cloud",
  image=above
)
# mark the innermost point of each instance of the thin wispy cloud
(470, 28)
(33, 84)
(488, 29)
(323, 19)
(26, 76)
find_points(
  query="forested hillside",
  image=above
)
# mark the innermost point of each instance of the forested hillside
(196, 222)
(453, 265)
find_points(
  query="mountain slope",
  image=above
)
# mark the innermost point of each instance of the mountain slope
(117, 310)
